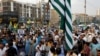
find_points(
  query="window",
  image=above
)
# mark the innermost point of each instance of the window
(0, 4)
(31, 15)
(4, 3)
(27, 15)
(6, 8)
(20, 5)
(15, 9)
(27, 7)
(8, 4)
(24, 6)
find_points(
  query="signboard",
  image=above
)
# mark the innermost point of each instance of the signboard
(13, 19)
(21, 31)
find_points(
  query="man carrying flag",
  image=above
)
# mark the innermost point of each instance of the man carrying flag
(63, 7)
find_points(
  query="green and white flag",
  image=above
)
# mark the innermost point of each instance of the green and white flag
(63, 7)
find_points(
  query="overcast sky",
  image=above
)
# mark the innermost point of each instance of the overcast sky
(77, 5)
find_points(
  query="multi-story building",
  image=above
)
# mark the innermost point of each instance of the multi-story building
(26, 11)
(44, 12)
(16, 11)
(22, 12)
(81, 18)
(98, 12)
(8, 11)
(97, 19)
(55, 18)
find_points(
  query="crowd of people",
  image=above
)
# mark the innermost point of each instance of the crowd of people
(31, 42)
(48, 42)
(86, 42)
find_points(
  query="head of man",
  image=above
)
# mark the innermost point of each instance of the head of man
(82, 36)
(1, 45)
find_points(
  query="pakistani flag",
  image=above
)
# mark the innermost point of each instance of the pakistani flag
(63, 7)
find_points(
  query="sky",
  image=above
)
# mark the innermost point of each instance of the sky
(77, 5)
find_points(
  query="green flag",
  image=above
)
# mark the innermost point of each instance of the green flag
(63, 7)
(59, 7)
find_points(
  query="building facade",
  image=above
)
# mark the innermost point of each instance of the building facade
(44, 12)
(98, 12)
(82, 19)
(55, 18)
(8, 11)
(25, 11)
(97, 19)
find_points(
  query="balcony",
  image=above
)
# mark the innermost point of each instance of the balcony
(9, 13)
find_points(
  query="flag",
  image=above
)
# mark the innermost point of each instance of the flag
(10, 25)
(15, 25)
(29, 21)
(59, 7)
(63, 7)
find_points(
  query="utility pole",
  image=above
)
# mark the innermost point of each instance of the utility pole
(85, 12)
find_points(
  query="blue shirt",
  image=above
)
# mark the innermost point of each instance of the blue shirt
(94, 48)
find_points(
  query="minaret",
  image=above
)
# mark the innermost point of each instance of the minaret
(98, 11)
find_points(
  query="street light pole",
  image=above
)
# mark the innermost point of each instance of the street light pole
(85, 12)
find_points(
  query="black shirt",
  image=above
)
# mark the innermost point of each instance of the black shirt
(11, 52)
